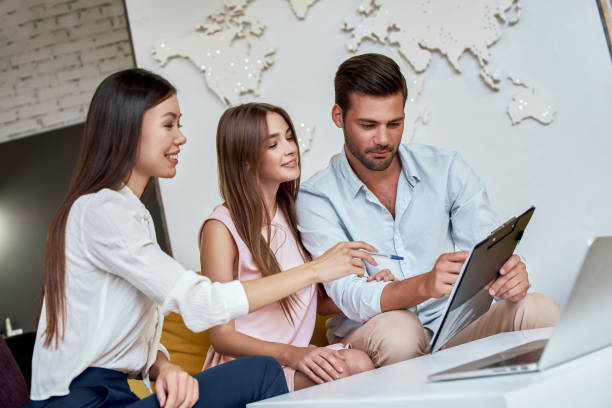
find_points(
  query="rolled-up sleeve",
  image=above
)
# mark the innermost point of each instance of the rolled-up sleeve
(203, 304)
(117, 240)
(320, 229)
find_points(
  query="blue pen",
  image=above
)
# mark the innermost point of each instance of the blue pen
(394, 257)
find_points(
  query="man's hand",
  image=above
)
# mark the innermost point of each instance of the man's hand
(513, 282)
(385, 275)
(440, 280)
(175, 388)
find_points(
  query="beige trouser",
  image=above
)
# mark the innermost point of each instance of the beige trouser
(399, 335)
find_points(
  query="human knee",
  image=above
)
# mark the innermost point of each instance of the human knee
(400, 336)
(357, 361)
(536, 310)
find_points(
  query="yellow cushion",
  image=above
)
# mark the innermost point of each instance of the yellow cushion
(319, 337)
(187, 349)
(138, 388)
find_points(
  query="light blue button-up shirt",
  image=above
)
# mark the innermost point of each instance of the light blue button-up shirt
(441, 206)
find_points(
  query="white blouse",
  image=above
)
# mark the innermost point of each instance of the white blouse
(119, 285)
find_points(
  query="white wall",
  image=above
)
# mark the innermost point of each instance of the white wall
(563, 169)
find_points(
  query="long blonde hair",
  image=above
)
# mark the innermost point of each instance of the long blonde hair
(240, 145)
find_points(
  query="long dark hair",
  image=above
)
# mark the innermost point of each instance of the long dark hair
(240, 145)
(106, 159)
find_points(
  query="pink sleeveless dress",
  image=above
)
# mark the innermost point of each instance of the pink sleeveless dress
(269, 323)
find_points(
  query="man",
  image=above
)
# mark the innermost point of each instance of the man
(416, 201)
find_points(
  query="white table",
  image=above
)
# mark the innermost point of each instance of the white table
(584, 382)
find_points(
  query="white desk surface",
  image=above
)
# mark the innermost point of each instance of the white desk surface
(584, 382)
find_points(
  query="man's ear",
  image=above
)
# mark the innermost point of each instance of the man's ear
(336, 115)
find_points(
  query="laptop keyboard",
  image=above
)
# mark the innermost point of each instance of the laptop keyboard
(528, 357)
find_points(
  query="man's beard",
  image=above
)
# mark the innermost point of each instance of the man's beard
(375, 165)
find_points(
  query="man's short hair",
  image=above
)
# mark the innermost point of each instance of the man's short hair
(368, 74)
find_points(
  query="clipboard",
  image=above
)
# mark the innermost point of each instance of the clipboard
(469, 299)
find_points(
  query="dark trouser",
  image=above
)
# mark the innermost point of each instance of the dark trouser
(233, 384)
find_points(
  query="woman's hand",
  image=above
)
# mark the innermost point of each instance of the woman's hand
(344, 258)
(175, 388)
(319, 364)
(385, 275)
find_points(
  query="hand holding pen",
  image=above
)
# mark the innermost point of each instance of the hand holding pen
(389, 256)
(385, 275)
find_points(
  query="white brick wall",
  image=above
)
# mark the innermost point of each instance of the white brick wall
(53, 54)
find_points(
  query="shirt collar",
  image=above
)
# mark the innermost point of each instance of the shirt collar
(126, 192)
(354, 183)
(408, 167)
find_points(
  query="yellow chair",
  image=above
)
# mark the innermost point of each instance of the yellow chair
(188, 349)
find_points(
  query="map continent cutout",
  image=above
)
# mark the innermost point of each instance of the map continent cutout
(228, 49)
(300, 7)
(452, 28)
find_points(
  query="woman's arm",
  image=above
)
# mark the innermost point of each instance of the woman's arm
(218, 258)
(115, 241)
(342, 259)
(320, 364)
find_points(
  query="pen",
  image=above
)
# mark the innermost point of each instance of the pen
(394, 257)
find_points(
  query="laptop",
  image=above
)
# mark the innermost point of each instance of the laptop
(579, 331)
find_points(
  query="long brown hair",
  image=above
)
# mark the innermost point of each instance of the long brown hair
(240, 145)
(106, 159)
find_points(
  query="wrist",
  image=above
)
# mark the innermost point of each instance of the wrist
(160, 364)
(286, 355)
(421, 287)
(313, 272)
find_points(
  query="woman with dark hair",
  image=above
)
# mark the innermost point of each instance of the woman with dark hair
(107, 284)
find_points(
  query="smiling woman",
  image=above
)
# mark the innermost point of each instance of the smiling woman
(160, 143)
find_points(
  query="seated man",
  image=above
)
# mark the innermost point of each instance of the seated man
(417, 201)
